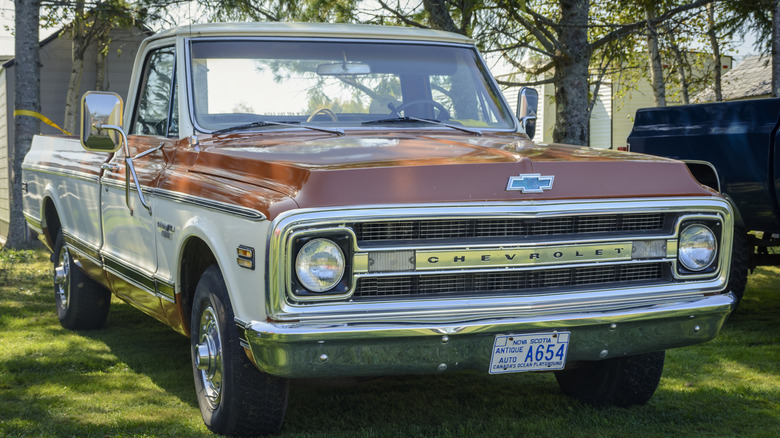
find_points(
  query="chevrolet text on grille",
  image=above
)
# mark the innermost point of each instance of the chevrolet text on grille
(521, 257)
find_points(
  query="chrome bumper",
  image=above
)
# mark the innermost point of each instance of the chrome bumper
(311, 350)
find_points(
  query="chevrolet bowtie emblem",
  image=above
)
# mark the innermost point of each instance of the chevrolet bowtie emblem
(530, 183)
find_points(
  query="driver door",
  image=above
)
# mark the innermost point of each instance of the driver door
(129, 231)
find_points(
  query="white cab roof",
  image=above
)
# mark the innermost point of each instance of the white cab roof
(314, 30)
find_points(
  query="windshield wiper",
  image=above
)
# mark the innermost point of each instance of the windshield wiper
(416, 120)
(261, 123)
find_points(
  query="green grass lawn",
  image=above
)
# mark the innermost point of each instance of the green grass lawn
(133, 378)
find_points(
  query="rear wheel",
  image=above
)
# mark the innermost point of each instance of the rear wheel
(621, 381)
(82, 303)
(235, 398)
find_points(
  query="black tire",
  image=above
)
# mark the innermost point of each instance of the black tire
(82, 303)
(740, 263)
(235, 398)
(622, 381)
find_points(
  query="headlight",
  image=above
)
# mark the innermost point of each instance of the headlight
(319, 265)
(698, 247)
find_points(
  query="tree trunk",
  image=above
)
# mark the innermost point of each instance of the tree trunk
(571, 75)
(27, 96)
(100, 66)
(776, 49)
(102, 41)
(440, 16)
(656, 68)
(77, 68)
(680, 61)
(715, 51)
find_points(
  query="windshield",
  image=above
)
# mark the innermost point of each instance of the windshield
(340, 84)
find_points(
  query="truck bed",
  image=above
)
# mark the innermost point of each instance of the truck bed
(739, 139)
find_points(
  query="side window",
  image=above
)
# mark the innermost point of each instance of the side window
(153, 108)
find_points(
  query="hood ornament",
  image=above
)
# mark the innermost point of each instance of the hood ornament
(530, 183)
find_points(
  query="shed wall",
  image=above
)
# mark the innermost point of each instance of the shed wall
(5, 176)
(56, 65)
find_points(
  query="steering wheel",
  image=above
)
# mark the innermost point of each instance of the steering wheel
(325, 111)
(443, 113)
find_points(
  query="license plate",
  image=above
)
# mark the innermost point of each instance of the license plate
(529, 352)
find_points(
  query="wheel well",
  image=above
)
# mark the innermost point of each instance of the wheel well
(196, 258)
(705, 174)
(51, 222)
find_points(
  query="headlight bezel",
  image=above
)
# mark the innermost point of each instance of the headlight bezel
(341, 238)
(711, 269)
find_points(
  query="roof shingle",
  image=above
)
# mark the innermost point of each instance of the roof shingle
(751, 78)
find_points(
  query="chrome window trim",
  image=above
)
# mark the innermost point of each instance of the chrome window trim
(134, 112)
(491, 80)
(279, 308)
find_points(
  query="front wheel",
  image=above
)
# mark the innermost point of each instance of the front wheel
(235, 398)
(621, 381)
(82, 303)
(740, 263)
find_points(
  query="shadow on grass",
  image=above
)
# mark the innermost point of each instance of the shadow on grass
(131, 378)
(149, 348)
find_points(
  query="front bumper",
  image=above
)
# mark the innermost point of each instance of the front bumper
(313, 350)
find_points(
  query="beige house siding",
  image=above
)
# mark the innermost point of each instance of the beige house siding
(625, 103)
(601, 119)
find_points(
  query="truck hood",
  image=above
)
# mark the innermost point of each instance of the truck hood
(316, 171)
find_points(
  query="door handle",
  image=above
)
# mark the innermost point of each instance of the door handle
(110, 166)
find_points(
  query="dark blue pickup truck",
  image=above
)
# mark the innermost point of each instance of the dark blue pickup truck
(734, 148)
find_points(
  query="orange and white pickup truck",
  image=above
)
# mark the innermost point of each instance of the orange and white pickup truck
(316, 201)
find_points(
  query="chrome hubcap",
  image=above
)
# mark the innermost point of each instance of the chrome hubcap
(62, 278)
(208, 356)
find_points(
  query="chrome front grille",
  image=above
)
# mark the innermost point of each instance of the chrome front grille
(507, 227)
(458, 259)
(522, 282)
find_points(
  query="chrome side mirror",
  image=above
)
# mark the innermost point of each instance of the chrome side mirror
(101, 121)
(527, 104)
(101, 131)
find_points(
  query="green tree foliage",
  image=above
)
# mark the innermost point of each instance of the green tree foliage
(327, 11)
(749, 16)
